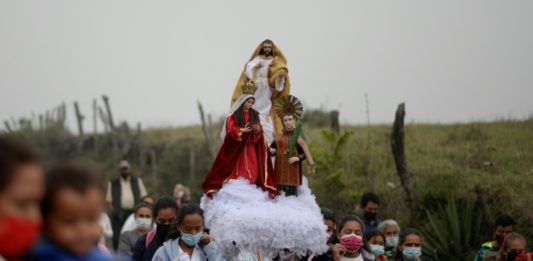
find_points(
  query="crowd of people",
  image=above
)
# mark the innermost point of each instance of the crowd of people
(67, 213)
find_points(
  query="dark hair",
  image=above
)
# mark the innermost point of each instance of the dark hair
(164, 202)
(369, 197)
(504, 221)
(186, 209)
(369, 235)
(13, 154)
(238, 115)
(261, 52)
(348, 218)
(141, 205)
(328, 214)
(68, 176)
(403, 235)
(285, 114)
(147, 196)
(189, 209)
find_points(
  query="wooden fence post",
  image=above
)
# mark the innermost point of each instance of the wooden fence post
(398, 151)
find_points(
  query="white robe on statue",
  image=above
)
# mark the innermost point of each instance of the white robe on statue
(263, 94)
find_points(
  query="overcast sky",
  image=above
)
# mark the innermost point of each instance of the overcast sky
(450, 61)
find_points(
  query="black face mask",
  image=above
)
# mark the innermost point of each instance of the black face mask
(162, 230)
(369, 216)
(512, 255)
(125, 174)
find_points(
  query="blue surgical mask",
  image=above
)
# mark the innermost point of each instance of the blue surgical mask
(377, 250)
(392, 241)
(190, 239)
(411, 253)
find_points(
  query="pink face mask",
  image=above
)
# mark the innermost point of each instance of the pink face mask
(352, 242)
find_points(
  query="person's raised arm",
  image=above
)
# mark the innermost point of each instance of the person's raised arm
(306, 151)
(210, 248)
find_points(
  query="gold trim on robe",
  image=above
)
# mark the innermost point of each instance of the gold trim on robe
(277, 66)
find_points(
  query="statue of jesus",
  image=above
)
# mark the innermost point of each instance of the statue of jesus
(267, 70)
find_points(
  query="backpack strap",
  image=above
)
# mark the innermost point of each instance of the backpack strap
(149, 237)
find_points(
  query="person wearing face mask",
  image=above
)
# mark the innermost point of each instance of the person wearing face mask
(165, 214)
(21, 192)
(503, 226)
(391, 230)
(143, 224)
(130, 224)
(524, 257)
(123, 193)
(187, 240)
(410, 246)
(350, 234)
(374, 249)
(369, 207)
(513, 245)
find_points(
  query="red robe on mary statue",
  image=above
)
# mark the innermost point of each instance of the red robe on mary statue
(242, 155)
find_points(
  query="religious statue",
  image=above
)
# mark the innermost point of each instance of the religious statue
(242, 205)
(267, 72)
(244, 153)
(289, 147)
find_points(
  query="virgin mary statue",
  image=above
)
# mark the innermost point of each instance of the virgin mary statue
(244, 153)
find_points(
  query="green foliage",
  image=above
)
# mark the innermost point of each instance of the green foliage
(294, 137)
(184, 162)
(445, 160)
(452, 233)
(316, 118)
(331, 174)
(331, 158)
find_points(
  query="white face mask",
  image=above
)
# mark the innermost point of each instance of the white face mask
(143, 223)
(179, 194)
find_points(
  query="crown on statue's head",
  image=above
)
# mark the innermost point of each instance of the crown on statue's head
(248, 87)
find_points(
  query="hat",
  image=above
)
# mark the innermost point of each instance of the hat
(124, 164)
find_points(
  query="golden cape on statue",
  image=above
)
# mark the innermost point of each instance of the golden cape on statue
(277, 79)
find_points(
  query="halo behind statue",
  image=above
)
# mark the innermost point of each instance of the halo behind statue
(289, 105)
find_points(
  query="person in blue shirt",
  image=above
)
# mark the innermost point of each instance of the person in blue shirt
(71, 209)
(369, 206)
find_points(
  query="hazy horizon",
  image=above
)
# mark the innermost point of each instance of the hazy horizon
(452, 61)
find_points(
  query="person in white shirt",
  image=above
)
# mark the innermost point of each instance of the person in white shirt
(188, 241)
(130, 224)
(107, 230)
(123, 193)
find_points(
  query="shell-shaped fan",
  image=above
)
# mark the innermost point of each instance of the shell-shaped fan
(289, 105)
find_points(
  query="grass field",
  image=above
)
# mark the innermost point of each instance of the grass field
(447, 161)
